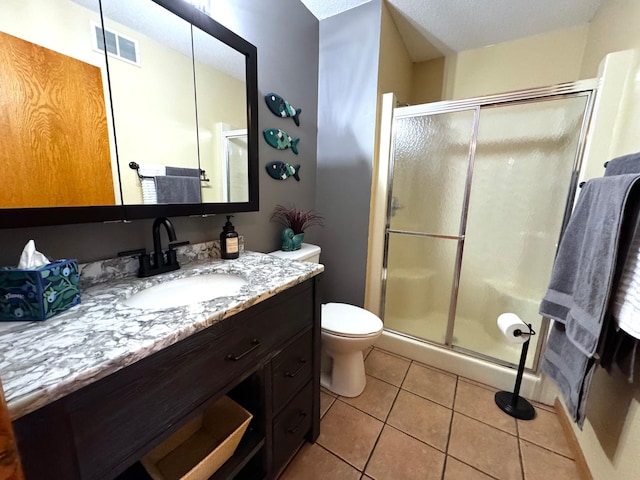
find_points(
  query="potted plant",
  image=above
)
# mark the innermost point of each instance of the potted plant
(295, 222)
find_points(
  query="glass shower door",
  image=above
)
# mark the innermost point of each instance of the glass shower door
(524, 161)
(429, 178)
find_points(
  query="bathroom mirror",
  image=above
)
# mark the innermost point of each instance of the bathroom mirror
(163, 101)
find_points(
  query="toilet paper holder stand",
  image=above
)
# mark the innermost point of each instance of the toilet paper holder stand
(511, 402)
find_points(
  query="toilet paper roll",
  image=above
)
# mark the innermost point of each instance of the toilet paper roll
(513, 328)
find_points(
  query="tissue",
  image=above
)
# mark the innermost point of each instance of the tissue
(31, 258)
(513, 328)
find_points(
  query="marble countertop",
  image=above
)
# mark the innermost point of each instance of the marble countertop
(41, 362)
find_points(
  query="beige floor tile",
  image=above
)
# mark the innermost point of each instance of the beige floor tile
(399, 456)
(313, 462)
(545, 430)
(421, 418)
(376, 400)
(326, 401)
(386, 366)
(542, 406)
(541, 464)
(328, 392)
(366, 353)
(488, 449)
(349, 433)
(456, 470)
(479, 403)
(430, 383)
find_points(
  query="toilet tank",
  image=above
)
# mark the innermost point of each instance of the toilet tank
(306, 253)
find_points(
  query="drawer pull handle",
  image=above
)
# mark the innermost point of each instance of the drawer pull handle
(295, 428)
(303, 362)
(255, 343)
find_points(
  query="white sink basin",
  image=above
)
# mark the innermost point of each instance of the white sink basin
(184, 291)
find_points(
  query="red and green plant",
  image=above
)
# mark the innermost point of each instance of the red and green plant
(296, 219)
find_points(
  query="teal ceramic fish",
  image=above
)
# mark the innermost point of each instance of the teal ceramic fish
(280, 139)
(282, 170)
(280, 107)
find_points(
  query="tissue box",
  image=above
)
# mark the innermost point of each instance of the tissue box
(39, 293)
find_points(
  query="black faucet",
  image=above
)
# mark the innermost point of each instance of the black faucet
(158, 262)
(158, 255)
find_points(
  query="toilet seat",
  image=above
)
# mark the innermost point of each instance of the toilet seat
(349, 321)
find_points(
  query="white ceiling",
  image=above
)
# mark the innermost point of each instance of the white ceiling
(432, 28)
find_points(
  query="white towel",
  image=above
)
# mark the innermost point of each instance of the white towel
(626, 304)
(151, 170)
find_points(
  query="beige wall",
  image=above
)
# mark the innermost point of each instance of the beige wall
(427, 81)
(610, 439)
(395, 69)
(535, 61)
(614, 28)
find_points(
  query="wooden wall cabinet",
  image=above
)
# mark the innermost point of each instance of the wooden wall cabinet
(267, 358)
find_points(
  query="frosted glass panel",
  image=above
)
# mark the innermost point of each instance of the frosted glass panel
(522, 173)
(418, 289)
(431, 158)
(238, 165)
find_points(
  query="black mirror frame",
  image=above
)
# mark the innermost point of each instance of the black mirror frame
(43, 216)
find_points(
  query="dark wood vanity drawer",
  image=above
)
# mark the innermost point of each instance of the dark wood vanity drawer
(291, 426)
(291, 369)
(117, 419)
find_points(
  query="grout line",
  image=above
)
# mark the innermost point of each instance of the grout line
(474, 468)
(455, 394)
(339, 457)
(416, 438)
(520, 457)
(488, 424)
(333, 400)
(548, 449)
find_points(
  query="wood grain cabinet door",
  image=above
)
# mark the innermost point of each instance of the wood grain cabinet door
(54, 141)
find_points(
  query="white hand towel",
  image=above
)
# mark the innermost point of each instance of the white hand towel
(626, 304)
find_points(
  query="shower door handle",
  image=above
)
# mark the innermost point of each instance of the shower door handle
(395, 206)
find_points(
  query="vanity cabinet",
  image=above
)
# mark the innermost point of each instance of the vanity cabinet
(266, 357)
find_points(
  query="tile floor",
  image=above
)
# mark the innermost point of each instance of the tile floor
(416, 422)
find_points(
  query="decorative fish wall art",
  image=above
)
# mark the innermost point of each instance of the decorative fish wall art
(282, 170)
(280, 139)
(280, 107)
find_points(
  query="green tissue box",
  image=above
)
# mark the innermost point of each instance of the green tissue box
(39, 293)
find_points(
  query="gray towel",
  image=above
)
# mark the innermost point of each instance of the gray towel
(570, 369)
(625, 164)
(175, 189)
(581, 281)
(182, 172)
(581, 285)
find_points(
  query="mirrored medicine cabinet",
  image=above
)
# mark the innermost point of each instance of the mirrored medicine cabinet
(123, 109)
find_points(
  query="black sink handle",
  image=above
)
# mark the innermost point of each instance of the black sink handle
(131, 253)
(173, 246)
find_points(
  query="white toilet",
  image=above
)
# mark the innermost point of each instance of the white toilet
(347, 331)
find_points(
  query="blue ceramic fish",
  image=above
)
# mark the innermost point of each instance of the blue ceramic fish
(282, 170)
(280, 107)
(280, 139)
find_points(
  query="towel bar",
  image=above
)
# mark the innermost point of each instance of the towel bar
(136, 167)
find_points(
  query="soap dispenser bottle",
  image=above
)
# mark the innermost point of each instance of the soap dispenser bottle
(229, 246)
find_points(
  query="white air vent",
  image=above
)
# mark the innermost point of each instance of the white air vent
(118, 45)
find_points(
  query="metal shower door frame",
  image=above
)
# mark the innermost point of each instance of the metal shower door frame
(586, 88)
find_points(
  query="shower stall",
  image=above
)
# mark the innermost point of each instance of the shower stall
(478, 192)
